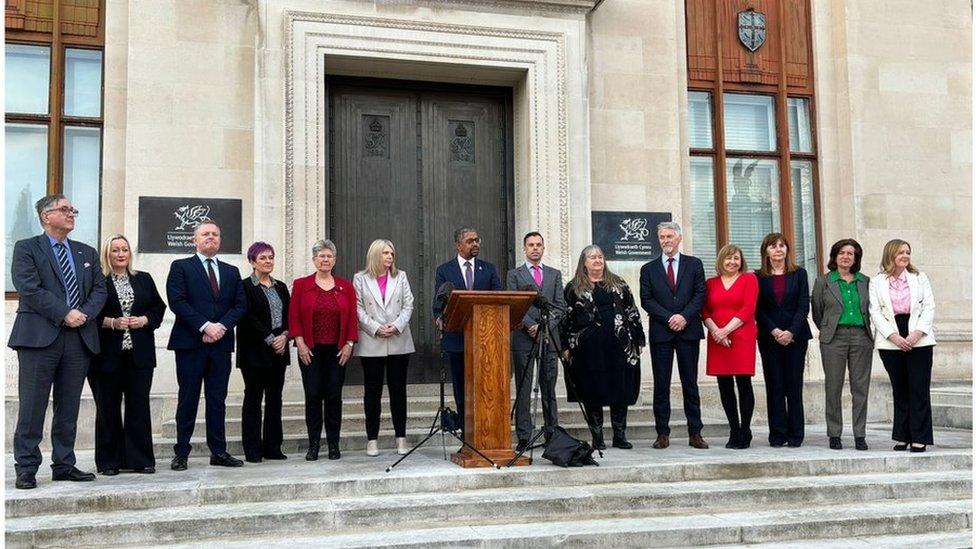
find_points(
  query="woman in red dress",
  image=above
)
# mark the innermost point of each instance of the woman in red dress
(730, 317)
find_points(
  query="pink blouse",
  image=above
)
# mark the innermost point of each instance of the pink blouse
(381, 282)
(901, 294)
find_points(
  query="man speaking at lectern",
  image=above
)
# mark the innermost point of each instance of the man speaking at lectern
(464, 272)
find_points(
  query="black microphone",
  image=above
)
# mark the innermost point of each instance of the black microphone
(540, 302)
(443, 294)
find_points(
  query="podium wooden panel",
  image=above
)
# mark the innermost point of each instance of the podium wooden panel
(486, 318)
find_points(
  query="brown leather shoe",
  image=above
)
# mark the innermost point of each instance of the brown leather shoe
(696, 441)
(662, 442)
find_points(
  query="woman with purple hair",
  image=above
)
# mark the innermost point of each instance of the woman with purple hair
(262, 356)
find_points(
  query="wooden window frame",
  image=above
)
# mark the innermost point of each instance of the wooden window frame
(718, 152)
(55, 120)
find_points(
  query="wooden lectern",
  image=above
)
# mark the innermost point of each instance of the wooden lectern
(487, 318)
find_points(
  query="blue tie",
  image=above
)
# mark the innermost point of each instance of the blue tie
(70, 282)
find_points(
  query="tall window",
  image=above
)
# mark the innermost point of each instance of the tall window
(53, 107)
(752, 145)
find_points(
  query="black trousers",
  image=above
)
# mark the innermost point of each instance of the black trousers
(618, 418)
(123, 442)
(322, 380)
(395, 368)
(457, 382)
(662, 357)
(738, 413)
(61, 366)
(210, 368)
(911, 377)
(262, 383)
(783, 375)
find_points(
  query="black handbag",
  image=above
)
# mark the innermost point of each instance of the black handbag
(566, 450)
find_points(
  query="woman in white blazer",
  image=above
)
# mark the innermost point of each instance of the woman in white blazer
(902, 312)
(384, 307)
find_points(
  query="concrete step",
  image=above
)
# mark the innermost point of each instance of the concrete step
(962, 396)
(943, 540)
(645, 500)
(954, 416)
(294, 421)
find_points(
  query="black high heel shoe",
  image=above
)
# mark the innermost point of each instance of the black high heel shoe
(917, 449)
(900, 447)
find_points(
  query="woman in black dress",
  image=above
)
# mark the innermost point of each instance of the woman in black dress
(604, 338)
(124, 368)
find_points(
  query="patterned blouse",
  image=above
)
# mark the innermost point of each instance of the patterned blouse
(274, 304)
(126, 298)
(583, 314)
(901, 294)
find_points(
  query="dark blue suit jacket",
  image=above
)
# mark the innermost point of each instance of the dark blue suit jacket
(792, 314)
(42, 298)
(190, 299)
(485, 278)
(661, 302)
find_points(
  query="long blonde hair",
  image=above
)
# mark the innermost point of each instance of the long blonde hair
(374, 258)
(107, 250)
(581, 282)
(889, 253)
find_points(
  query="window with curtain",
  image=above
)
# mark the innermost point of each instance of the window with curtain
(53, 128)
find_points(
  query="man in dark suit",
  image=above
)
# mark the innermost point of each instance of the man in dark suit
(207, 297)
(61, 290)
(465, 272)
(549, 283)
(672, 291)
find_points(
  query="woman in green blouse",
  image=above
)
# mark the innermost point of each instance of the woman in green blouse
(840, 311)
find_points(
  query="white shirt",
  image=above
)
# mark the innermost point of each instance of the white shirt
(674, 265)
(203, 259)
(461, 261)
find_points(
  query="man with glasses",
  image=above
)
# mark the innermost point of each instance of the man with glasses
(465, 272)
(61, 289)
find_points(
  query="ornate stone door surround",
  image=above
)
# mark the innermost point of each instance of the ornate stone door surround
(550, 118)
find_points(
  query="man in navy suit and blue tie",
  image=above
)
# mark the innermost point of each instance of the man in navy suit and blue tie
(60, 290)
(465, 272)
(672, 291)
(207, 297)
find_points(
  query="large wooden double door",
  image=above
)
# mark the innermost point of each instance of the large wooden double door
(412, 162)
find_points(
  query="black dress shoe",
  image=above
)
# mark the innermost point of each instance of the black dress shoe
(860, 443)
(178, 463)
(777, 444)
(794, 443)
(74, 475)
(225, 460)
(26, 481)
(252, 459)
(313, 452)
(149, 470)
(621, 442)
(835, 444)
(110, 472)
(334, 450)
(275, 455)
(523, 443)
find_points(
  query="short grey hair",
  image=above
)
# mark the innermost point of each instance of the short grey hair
(47, 203)
(196, 230)
(323, 245)
(459, 234)
(669, 225)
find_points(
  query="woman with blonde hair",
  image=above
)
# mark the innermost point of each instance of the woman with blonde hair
(384, 305)
(903, 313)
(123, 370)
(729, 316)
(604, 337)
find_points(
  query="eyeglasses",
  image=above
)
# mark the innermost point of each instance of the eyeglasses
(66, 210)
(473, 241)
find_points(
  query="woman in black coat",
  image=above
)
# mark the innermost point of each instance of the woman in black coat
(262, 356)
(603, 333)
(124, 368)
(781, 313)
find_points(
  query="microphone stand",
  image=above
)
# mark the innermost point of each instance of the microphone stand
(537, 355)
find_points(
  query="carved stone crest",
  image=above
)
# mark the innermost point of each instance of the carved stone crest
(752, 29)
(462, 143)
(375, 142)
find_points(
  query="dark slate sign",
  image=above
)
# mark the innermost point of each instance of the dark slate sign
(166, 224)
(628, 236)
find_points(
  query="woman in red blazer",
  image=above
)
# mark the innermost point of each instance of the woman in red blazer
(322, 319)
(730, 316)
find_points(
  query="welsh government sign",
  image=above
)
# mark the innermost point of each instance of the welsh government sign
(166, 224)
(628, 236)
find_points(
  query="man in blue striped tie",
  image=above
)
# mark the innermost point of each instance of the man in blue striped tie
(61, 289)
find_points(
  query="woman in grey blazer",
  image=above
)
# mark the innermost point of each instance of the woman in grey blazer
(840, 311)
(384, 307)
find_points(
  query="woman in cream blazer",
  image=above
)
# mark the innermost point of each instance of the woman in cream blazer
(384, 307)
(902, 312)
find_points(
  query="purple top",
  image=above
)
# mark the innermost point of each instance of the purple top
(779, 287)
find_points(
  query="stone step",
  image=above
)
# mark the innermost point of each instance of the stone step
(297, 442)
(943, 540)
(294, 422)
(535, 502)
(357, 475)
(952, 415)
(952, 395)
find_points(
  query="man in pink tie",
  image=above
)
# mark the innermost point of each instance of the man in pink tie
(549, 283)
(672, 291)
